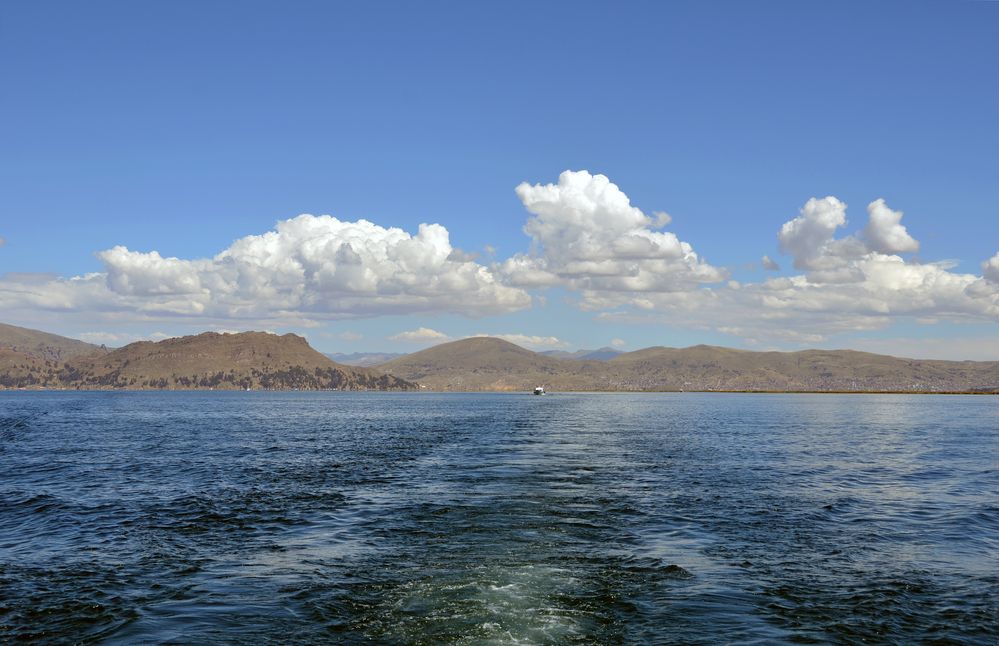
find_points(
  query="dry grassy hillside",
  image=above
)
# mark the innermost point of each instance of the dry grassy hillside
(16, 367)
(492, 364)
(43, 345)
(481, 363)
(209, 361)
(713, 368)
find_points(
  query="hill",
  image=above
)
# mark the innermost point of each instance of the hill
(204, 361)
(478, 363)
(44, 345)
(492, 364)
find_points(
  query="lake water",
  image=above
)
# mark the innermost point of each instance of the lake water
(496, 518)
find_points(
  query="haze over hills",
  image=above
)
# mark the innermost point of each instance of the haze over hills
(368, 359)
(601, 354)
(364, 359)
(204, 361)
(494, 364)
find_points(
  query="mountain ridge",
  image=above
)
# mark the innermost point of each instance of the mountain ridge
(462, 365)
(210, 360)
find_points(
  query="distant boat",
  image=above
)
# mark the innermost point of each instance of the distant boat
(540, 390)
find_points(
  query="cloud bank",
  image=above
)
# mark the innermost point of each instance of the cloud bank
(856, 282)
(308, 268)
(586, 238)
(420, 335)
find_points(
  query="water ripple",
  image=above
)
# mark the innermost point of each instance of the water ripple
(497, 519)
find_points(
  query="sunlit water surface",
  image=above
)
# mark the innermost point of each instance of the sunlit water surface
(497, 518)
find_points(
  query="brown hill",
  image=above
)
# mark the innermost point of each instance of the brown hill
(480, 363)
(43, 345)
(206, 361)
(17, 367)
(713, 368)
(492, 364)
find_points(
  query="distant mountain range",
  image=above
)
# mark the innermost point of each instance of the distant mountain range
(248, 360)
(369, 359)
(603, 354)
(494, 364)
(258, 360)
(364, 359)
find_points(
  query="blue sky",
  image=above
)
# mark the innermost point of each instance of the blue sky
(181, 127)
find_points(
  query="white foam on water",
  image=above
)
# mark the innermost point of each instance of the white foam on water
(490, 604)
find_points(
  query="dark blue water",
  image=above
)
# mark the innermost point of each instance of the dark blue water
(467, 519)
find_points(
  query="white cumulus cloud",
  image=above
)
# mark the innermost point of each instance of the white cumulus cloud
(528, 341)
(419, 335)
(884, 231)
(587, 236)
(810, 238)
(990, 269)
(850, 284)
(309, 267)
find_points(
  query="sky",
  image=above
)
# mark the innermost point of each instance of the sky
(384, 176)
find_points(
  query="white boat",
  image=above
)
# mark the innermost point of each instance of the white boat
(540, 390)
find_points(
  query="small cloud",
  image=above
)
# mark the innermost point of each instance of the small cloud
(350, 336)
(419, 335)
(884, 231)
(617, 343)
(990, 269)
(770, 264)
(529, 341)
(112, 339)
(489, 249)
(661, 219)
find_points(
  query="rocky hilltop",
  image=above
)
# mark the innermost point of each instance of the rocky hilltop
(494, 364)
(255, 360)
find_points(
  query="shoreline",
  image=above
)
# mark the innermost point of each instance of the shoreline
(509, 392)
